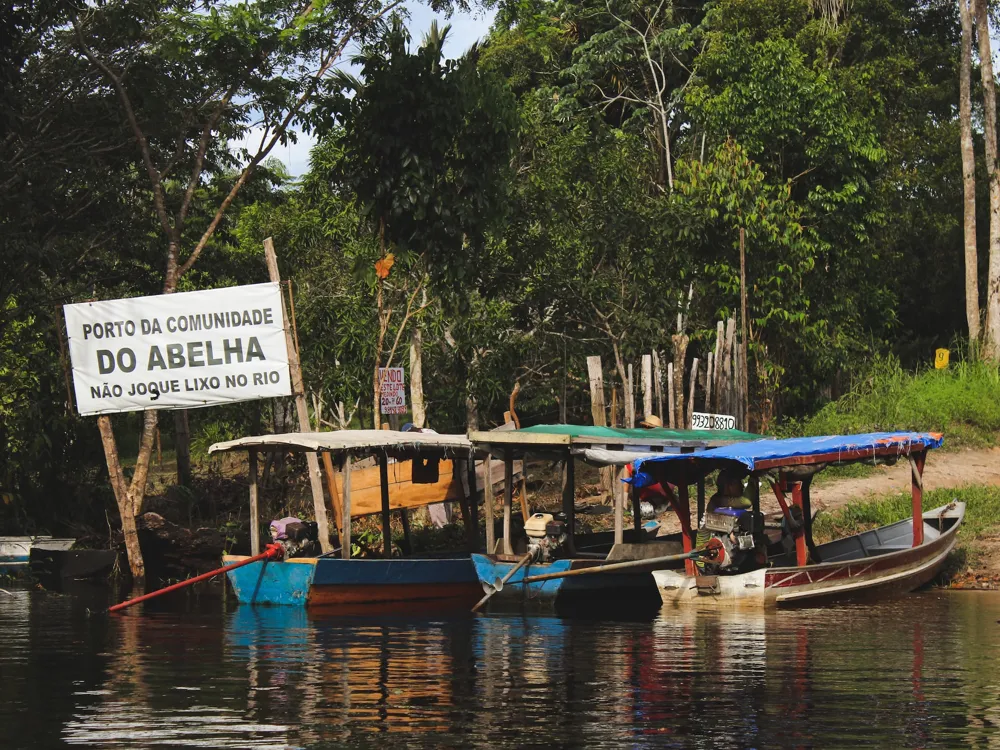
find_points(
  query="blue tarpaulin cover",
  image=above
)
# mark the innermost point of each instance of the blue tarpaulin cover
(748, 454)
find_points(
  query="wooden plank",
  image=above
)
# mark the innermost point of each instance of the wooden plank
(708, 381)
(525, 514)
(596, 374)
(345, 539)
(472, 496)
(254, 509)
(517, 437)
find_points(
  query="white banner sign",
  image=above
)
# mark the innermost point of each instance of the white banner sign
(393, 390)
(701, 421)
(178, 350)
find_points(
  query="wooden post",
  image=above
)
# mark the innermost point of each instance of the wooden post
(488, 497)
(629, 399)
(383, 478)
(684, 509)
(345, 539)
(717, 373)
(619, 494)
(701, 501)
(917, 495)
(690, 404)
(254, 509)
(636, 511)
(404, 517)
(744, 371)
(295, 370)
(680, 341)
(331, 487)
(658, 380)
(525, 514)
(473, 495)
(672, 422)
(595, 373)
(508, 499)
(801, 551)
(569, 500)
(646, 378)
(727, 365)
(709, 377)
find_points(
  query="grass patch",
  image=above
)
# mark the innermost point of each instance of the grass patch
(963, 402)
(982, 516)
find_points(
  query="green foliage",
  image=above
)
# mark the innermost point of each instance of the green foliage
(962, 401)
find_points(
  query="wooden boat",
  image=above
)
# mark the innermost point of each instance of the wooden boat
(571, 571)
(15, 551)
(892, 559)
(72, 564)
(388, 487)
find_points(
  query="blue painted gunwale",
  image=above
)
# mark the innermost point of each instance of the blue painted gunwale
(338, 572)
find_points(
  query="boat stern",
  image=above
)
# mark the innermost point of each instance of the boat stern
(266, 582)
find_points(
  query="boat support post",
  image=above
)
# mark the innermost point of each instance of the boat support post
(383, 478)
(801, 550)
(508, 498)
(569, 500)
(488, 498)
(917, 494)
(472, 498)
(345, 540)
(254, 509)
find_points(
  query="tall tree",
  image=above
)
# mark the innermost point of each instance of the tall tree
(966, 10)
(992, 343)
(186, 81)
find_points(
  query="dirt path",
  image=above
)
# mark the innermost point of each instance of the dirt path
(944, 469)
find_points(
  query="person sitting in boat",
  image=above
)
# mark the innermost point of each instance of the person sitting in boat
(728, 492)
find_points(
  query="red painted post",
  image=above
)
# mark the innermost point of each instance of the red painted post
(917, 493)
(801, 552)
(684, 513)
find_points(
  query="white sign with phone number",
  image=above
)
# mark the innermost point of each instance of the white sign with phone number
(702, 421)
(393, 395)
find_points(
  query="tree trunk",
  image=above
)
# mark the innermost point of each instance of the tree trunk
(182, 447)
(992, 347)
(129, 497)
(417, 377)
(968, 173)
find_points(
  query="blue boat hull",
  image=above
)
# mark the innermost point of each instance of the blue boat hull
(332, 582)
(584, 591)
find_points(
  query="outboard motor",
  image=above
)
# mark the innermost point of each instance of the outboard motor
(546, 536)
(736, 535)
(298, 538)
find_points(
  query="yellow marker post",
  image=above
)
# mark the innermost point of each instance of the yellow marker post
(941, 359)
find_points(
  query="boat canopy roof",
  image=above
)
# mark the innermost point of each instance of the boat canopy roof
(641, 435)
(360, 443)
(764, 455)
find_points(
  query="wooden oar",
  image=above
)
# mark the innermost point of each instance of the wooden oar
(499, 584)
(271, 552)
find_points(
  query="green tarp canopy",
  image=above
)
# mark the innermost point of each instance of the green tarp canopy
(610, 434)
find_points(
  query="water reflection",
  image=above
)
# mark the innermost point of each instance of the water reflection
(918, 672)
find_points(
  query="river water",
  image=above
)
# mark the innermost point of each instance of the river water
(920, 671)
